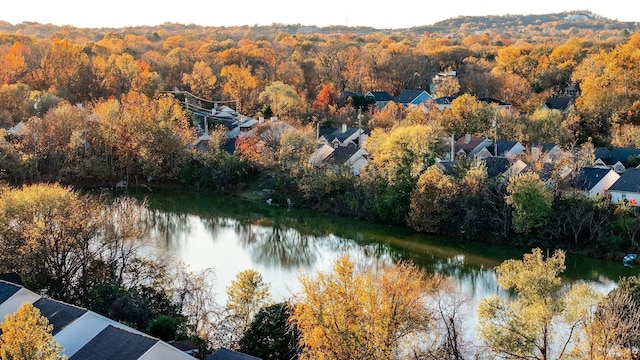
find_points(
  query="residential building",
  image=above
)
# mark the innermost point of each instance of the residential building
(84, 334)
(627, 188)
(413, 97)
(381, 98)
(469, 146)
(595, 181)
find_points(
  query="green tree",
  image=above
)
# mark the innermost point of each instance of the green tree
(270, 335)
(530, 200)
(541, 322)
(283, 98)
(26, 335)
(358, 312)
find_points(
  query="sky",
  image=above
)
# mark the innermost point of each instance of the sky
(374, 13)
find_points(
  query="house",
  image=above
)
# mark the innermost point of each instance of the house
(617, 158)
(549, 151)
(318, 156)
(628, 157)
(342, 136)
(595, 181)
(506, 148)
(444, 102)
(354, 158)
(413, 97)
(469, 145)
(226, 354)
(603, 156)
(380, 98)
(503, 166)
(449, 167)
(627, 188)
(500, 104)
(560, 103)
(84, 334)
(440, 77)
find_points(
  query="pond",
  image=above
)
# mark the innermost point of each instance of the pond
(231, 235)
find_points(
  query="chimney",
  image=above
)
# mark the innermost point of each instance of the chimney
(467, 138)
(344, 128)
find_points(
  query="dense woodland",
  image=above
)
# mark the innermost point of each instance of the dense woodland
(90, 107)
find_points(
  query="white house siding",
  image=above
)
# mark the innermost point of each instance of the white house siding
(618, 196)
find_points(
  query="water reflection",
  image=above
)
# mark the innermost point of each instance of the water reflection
(231, 236)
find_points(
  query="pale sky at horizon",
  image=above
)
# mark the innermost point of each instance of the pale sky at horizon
(377, 14)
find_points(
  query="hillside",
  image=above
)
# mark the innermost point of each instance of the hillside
(559, 25)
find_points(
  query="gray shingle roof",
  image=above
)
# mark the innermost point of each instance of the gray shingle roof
(629, 181)
(407, 96)
(496, 165)
(7, 290)
(623, 154)
(558, 103)
(588, 177)
(59, 314)
(381, 95)
(115, 343)
(341, 154)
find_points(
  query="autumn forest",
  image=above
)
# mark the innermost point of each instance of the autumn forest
(86, 109)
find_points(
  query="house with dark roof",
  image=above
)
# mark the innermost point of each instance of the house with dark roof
(503, 166)
(627, 188)
(342, 136)
(617, 158)
(505, 148)
(226, 354)
(628, 157)
(444, 102)
(353, 158)
(603, 156)
(595, 181)
(546, 150)
(412, 97)
(499, 103)
(84, 334)
(380, 98)
(449, 167)
(560, 103)
(469, 146)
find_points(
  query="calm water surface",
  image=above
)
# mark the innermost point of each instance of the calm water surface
(231, 235)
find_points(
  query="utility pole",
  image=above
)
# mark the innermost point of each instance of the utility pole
(495, 138)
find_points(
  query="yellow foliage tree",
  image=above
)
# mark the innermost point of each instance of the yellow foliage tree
(358, 313)
(26, 335)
